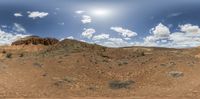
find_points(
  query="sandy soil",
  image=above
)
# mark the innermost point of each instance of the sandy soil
(99, 73)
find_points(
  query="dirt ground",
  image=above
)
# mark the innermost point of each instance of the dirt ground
(95, 72)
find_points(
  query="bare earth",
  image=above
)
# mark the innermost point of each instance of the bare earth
(75, 70)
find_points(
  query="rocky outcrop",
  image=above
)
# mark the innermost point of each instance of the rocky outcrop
(34, 40)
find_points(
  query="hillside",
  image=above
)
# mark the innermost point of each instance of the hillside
(75, 70)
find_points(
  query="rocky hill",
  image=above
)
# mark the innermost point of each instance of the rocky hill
(35, 40)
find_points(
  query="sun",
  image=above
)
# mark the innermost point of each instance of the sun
(101, 12)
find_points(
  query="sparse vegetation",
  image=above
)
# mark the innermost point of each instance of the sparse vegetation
(142, 53)
(116, 84)
(123, 62)
(114, 72)
(60, 61)
(68, 79)
(176, 74)
(9, 55)
(163, 65)
(60, 81)
(3, 51)
(44, 75)
(21, 55)
(37, 64)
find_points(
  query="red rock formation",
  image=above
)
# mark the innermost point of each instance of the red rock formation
(34, 40)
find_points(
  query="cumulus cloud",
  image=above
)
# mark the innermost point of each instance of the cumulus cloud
(101, 37)
(7, 38)
(160, 31)
(88, 33)
(180, 39)
(124, 32)
(15, 33)
(86, 19)
(127, 38)
(188, 36)
(116, 42)
(189, 28)
(18, 15)
(37, 14)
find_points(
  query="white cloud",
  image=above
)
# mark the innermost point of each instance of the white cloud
(174, 14)
(124, 32)
(18, 15)
(4, 26)
(19, 28)
(88, 33)
(8, 38)
(160, 36)
(80, 12)
(189, 28)
(127, 38)
(188, 36)
(160, 31)
(101, 37)
(70, 37)
(37, 14)
(86, 19)
(116, 42)
(180, 39)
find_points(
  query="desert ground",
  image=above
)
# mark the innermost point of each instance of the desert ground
(69, 69)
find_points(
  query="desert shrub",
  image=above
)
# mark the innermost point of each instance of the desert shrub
(3, 51)
(116, 84)
(122, 62)
(61, 81)
(92, 88)
(44, 75)
(9, 55)
(21, 55)
(37, 64)
(139, 54)
(68, 79)
(142, 54)
(176, 74)
(163, 65)
(172, 63)
(58, 83)
(60, 61)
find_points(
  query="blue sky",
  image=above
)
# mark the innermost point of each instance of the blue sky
(113, 23)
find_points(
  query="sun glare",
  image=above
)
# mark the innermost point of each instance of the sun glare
(101, 12)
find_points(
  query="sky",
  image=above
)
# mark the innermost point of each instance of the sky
(111, 23)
